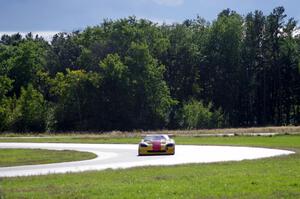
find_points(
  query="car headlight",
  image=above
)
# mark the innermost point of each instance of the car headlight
(170, 145)
(143, 145)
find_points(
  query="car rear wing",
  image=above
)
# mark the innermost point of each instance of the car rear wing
(170, 135)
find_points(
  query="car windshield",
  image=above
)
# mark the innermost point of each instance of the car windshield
(155, 137)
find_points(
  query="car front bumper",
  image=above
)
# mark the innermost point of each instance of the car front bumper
(163, 151)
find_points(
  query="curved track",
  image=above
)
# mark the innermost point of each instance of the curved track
(125, 156)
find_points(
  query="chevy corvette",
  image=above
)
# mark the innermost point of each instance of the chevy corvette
(156, 145)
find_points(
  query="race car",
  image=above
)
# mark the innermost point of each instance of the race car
(156, 145)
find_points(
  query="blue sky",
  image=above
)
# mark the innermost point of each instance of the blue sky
(68, 15)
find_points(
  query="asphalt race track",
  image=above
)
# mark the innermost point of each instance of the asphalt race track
(114, 156)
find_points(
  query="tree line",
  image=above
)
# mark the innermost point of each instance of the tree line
(236, 71)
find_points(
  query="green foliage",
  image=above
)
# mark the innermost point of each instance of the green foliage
(11, 40)
(183, 58)
(5, 86)
(223, 63)
(195, 115)
(30, 111)
(134, 74)
(116, 94)
(112, 67)
(152, 96)
(5, 112)
(66, 51)
(217, 119)
(76, 94)
(143, 99)
(5, 102)
(28, 58)
(5, 53)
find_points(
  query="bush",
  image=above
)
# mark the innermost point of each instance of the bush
(30, 111)
(195, 115)
(4, 113)
(5, 102)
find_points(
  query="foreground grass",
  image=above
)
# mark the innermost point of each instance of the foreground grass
(265, 178)
(16, 157)
(276, 178)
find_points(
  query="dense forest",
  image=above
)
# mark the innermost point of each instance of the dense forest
(126, 74)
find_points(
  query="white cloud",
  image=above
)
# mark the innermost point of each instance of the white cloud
(169, 2)
(296, 32)
(47, 35)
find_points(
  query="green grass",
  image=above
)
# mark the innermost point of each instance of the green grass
(197, 132)
(285, 141)
(75, 139)
(277, 177)
(282, 141)
(16, 157)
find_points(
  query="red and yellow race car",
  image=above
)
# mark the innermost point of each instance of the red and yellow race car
(156, 145)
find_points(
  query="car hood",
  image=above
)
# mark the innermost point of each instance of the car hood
(156, 141)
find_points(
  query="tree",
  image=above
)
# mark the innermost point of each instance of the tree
(66, 51)
(272, 66)
(221, 70)
(11, 40)
(29, 113)
(182, 60)
(76, 99)
(252, 85)
(115, 37)
(132, 73)
(6, 52)
(152, 100)
(289, 74)
(5, 102)
(116, 94)
(28, 58)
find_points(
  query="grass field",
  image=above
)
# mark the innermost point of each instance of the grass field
(277, 177)
(282, 130)
(16, 157)
(75, 139)
(280, 141)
